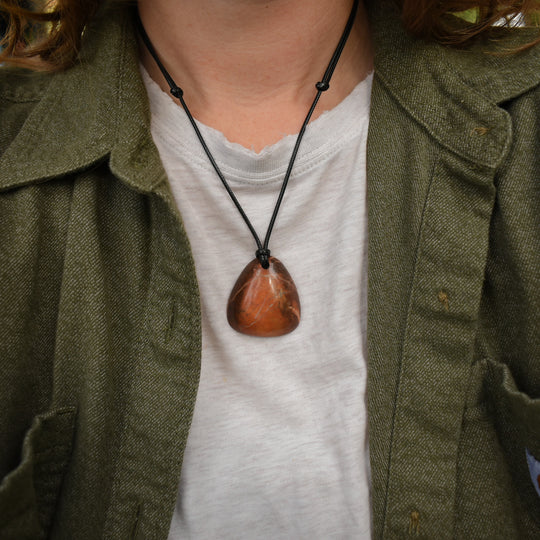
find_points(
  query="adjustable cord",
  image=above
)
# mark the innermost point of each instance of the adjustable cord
(262, 253)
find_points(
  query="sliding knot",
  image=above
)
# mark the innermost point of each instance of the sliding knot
(177, 92)
(322, 86)
(263, 255)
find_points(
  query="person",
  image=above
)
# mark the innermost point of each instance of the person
(131, 408)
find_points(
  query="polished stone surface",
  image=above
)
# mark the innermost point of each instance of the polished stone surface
(264, 302)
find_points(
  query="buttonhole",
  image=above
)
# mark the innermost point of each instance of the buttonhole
(480, 131)
(414, 523)
(444, 300)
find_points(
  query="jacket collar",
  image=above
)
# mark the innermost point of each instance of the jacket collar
(455, 94)
(95, 111)
(98, 109)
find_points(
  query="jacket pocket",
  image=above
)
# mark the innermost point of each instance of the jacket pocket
(517, 421)
(495, 496)
(29, 493)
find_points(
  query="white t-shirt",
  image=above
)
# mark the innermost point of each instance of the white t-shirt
(278, 447)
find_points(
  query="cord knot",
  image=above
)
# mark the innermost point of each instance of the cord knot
(263, 255)
(177, 92)
(322, 86)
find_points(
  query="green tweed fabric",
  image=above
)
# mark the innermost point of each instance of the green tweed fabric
(100, 338)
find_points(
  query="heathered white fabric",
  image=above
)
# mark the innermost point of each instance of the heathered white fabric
(278, 446)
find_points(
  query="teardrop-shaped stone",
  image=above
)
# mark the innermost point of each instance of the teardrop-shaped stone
(264, 302)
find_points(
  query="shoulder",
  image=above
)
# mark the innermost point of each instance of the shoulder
(19, 85)
(21, 88)
(500, 69)
(20, 91)
(492, 68)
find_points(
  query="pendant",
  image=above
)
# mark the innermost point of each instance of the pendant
(264, 302)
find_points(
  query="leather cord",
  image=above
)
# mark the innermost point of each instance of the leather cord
(262, 253)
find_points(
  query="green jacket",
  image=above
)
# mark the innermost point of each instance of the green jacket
(100, 337)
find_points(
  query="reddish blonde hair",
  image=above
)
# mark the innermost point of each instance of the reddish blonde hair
(44, 33)
(47, 33)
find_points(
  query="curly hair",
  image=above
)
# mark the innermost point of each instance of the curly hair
(48, 33)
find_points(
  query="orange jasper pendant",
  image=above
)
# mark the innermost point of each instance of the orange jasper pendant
(264, 302)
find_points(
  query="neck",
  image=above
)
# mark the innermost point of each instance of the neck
(248, 67)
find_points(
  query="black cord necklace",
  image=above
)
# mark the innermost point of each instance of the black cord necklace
(264, 301)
